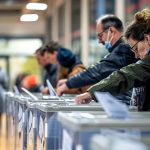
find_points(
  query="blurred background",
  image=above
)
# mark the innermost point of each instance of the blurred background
(70, 22)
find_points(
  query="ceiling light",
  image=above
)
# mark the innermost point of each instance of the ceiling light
(36, 6)
(29, 17)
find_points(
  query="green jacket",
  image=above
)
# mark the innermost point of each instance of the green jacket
(126, 78)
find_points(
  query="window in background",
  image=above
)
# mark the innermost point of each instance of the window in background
(3, 64)
(97, 8)
(76, 32)
(48, 35)
(110, 6)
(22, 46)
(61, 24)
(26, 64)
(20, 54)
(132, 6)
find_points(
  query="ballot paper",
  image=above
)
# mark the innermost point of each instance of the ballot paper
(41, 133)
(16, 90)
(112, 106)
(50, 88)
(20, 119)
(67, 141)
(29, 93)
(30, 126)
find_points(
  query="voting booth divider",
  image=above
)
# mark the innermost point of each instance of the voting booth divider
(43, 122)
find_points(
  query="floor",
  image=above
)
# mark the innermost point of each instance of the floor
(9, 144)
(3, 143)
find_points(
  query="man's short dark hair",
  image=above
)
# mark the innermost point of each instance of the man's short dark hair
(40, 51)
(51, 47)
(111, 21)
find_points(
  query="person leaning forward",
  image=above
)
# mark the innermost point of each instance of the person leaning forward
(109, 33)
(68, 63)
(138, 37)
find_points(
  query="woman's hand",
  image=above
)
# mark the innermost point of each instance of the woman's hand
(84, 98)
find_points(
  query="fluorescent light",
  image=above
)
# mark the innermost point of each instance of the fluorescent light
(36, 6)
(29, 17)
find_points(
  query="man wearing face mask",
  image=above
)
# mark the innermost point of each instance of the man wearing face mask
(109, 32)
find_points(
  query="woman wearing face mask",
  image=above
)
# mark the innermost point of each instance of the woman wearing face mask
(138, 37)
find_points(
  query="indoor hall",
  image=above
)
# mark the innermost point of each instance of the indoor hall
(72, 24)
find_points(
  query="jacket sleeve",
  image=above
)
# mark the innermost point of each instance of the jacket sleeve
(119, 58)
(89, 76)
(124, 79)
(75, 70)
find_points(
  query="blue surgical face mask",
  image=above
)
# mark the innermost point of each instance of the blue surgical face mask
(108, 45)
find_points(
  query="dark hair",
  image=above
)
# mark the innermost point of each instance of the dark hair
(40, 51)
(51, 47)
(140, 26)
(37, 50)
(109, 21)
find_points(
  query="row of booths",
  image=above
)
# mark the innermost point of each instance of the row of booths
(43, 122)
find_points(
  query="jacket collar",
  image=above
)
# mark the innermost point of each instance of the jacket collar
(116, 44)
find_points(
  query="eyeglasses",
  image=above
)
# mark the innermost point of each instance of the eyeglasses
(134, 48)
(101, 33)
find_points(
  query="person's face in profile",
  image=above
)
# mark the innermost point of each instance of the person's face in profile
(50, 57)
(140, 48)
(101, 34)
(40, 59)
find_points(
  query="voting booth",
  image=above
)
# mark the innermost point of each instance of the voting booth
(101, 142)
(35, 120)
(78, 128)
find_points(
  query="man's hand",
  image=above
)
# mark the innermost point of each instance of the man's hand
(45, 90)
(61, 89)
(61, 82)
(84, 98)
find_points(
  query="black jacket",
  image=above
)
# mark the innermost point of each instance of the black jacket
(120, 56)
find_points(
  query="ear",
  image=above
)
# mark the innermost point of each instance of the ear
(147, 38)
(112, 29)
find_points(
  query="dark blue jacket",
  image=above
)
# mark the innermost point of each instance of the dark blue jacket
(120, 56)
(50, 74)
